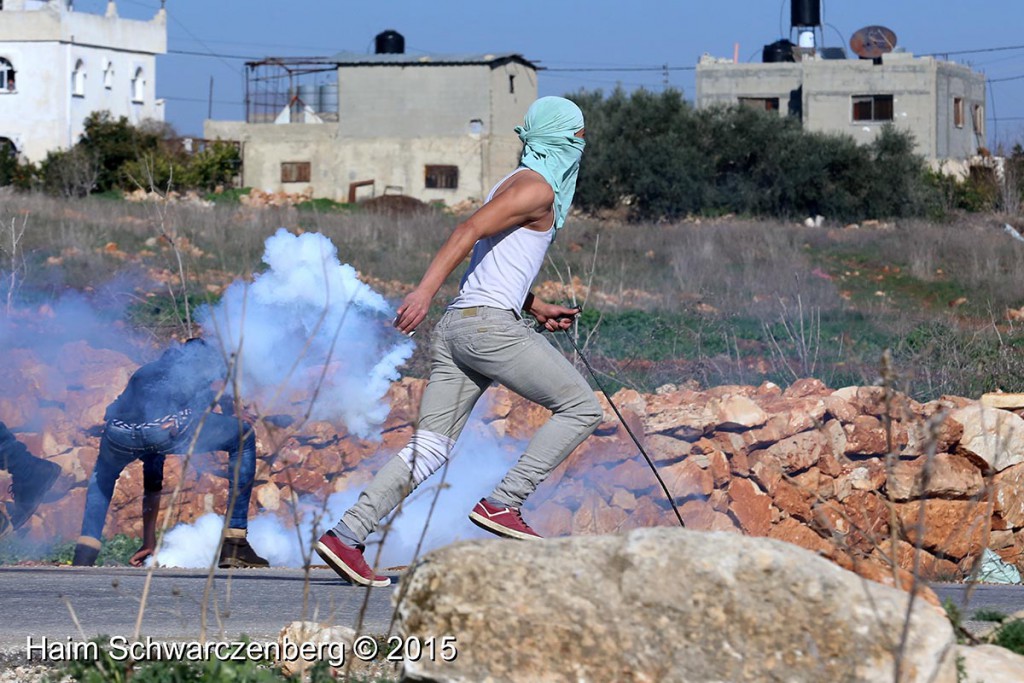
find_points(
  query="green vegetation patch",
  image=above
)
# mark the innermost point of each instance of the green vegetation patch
(116, 550)
(324, 205)
(1011, 636)
(163, 311)
(230, 196)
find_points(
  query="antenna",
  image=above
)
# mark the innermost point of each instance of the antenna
(871, 42)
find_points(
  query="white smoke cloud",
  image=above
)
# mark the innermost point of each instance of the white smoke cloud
(191, 546)
(308, 327)
(477, 464)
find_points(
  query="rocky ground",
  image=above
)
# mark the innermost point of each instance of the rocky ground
(847, 473)
(15, 669)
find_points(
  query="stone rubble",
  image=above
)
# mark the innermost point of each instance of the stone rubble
(855, 475)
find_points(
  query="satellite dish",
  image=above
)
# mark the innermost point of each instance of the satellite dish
(871, 42)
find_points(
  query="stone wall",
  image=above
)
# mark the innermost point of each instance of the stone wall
(810, 466)
(844, 473)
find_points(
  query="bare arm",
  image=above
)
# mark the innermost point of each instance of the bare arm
(150, 510)
(552, 316)
(525, 201)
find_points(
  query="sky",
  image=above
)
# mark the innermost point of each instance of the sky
(578, 41)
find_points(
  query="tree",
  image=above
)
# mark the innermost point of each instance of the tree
(654, 154)
(114, 142)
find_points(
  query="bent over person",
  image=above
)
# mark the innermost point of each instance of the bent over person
(483, 338)
(31, 478)
(166, 409)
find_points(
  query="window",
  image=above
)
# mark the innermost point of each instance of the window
(139, 86)
(872, 107)
(108, 75)
(6, 76)
(958, 112)
(441, 177)
(512, 83)
(765, 103)
(978, 115)
(296, 171)
(78, 79)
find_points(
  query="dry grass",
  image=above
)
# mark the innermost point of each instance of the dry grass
(722, 300)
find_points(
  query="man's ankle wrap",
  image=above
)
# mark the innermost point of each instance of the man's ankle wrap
(425, 453)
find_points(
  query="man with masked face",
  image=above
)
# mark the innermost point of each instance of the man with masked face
(166, 408)
(483, 338)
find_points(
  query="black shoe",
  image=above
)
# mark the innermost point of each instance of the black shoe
(85, 555)
(31, 482)
(238, 554)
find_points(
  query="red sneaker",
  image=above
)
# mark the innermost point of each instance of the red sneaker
(503, 521)
(348, 561)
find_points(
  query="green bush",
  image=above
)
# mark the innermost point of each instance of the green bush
(116, 550)
(13, 171)
(1011, 636)
(212, 167)
(662, 159)
(113, 143)
(169, 168)
(989, 615)
(70, 173)
(322, 205)
(114, 155)
(231, 195)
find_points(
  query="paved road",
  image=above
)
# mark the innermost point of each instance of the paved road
(970, 599)
(257, 603)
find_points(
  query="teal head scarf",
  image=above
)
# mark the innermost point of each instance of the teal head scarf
(552, 149)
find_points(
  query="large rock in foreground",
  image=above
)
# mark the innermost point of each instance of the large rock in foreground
(664, 605)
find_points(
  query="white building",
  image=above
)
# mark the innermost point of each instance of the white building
(57, 66)
(436, 127)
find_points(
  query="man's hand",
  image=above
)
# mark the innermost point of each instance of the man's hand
(552, 316)
(412, 311)
(139, 558)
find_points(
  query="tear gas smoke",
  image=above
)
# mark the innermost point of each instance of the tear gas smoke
(308, 335)
(476, 466)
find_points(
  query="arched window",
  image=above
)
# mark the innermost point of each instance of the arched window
(139, 86)
(6, 76)
(78, 79)
(108, 75)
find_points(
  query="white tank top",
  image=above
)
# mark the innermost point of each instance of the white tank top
(503, 266)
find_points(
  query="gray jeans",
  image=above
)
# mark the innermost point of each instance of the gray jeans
(473, 347)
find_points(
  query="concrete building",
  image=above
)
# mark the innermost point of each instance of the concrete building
(57, 66)
(941, 103)
(433, 127)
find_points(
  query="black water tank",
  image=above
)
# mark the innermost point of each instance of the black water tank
(390, 43)
(779, 51)
(805, 13)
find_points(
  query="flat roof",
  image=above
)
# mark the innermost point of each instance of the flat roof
(405, 59)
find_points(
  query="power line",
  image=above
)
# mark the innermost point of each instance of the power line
(947, 53)
(216, 55)
(175, 19)
(175, 98)
(625, 68)
(606, 69)
(1007, 78)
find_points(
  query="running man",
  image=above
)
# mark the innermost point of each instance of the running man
(483, 338)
